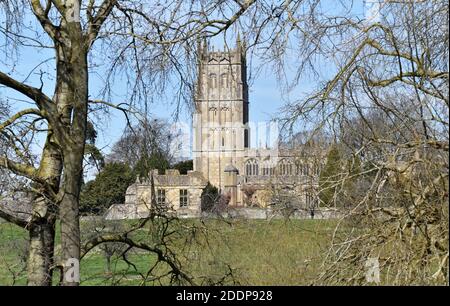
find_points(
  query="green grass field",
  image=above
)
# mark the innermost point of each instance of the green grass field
(276, 252)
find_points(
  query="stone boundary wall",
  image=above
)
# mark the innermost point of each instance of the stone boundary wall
(129, 211)
(266, 214)
(124, 212)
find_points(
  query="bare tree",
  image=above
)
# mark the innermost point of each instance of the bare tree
(387, 104)
(149, 137)
(144, 42)
(383, 65)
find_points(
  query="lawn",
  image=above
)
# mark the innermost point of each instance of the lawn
(258, 252)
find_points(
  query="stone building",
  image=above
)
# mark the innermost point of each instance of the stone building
(220, 134)
(221, 152)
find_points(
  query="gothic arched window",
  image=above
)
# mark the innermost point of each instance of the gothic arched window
(213, 113)
(285, 167)
(251, 167)
(300, 169)
(225, 111)
(267, 168)
(303, 169)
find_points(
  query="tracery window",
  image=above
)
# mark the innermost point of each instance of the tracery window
(251, 167)
(267, 168)
(285, 167)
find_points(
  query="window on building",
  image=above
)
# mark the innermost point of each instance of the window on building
(213, 113)
(310, 200)
(246, 138)
(303, 169)
(267, 168)
(184, 198)
(285, 167)
(161, 197)
(251, 167)
(225, 111)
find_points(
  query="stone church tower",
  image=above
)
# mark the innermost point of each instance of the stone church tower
(221, 152)
(220, 120)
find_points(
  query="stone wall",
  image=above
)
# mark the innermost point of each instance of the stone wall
(267, 214)
(128, 211)
(124, 211)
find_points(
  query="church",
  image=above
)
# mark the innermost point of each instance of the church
(222, 156)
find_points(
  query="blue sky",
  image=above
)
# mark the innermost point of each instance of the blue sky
(265, 96)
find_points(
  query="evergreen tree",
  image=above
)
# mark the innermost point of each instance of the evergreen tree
(329, 175)
(350, 192)
(184, 166)
(93, 155)
(209, 198)
(108, 188)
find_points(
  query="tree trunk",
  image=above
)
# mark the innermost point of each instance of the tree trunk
(40, 256)
(69, 217)
(42, 225)
(72, 99)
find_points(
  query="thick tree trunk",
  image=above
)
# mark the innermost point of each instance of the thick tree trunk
(40, 256)
(72, 99)
(69, 216)
(42, 225)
